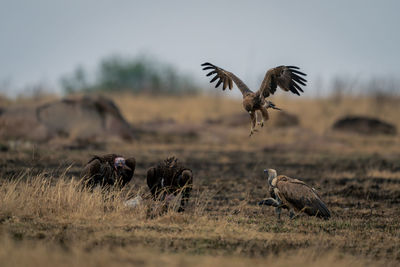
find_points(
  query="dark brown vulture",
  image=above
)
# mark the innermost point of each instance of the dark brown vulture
(294, 195)
(108, 170)
(168, 178)
(287, 78)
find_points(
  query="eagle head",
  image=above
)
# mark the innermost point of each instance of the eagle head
(248, 108)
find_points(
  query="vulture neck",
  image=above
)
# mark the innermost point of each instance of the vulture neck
(271, 177)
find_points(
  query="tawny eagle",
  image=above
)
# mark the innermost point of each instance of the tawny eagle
(294, 195)
(287, 78)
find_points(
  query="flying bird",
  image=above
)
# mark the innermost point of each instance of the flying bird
(108, 170)
(294, 195)
(287, 78)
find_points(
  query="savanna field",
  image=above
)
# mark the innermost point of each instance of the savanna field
(46, 219)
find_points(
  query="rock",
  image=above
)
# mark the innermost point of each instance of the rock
(364, 125)
(80, 118)
(134, 202)
(20, 122)
(84, 118)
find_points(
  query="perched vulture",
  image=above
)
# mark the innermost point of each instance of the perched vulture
(294, 194)
(287, 78)
(108, 170)
(169, 178)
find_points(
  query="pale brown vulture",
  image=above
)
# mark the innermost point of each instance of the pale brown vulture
(287, 78)
(168, 178)
(294, 195)
(108, 170)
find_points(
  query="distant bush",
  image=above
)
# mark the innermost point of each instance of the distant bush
(136, 75)
(76, 81)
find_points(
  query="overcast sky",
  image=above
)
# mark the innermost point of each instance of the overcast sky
(43, 39)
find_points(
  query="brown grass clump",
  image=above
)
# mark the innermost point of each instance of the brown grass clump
(63, 199)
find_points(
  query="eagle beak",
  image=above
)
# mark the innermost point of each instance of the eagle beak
(250, 112)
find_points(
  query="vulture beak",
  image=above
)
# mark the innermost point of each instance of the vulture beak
(266, 171)
(250, 112)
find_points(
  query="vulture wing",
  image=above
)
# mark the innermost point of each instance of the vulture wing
(287, 78)
(91, 169)
(131, 163)
(271, 192)
(302, 197)
(99, 170)
(96, 173)
(226, 78)
(274, 196)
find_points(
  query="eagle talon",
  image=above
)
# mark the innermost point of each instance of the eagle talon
(252, 132)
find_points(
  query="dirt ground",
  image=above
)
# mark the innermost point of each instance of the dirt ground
(357, 176)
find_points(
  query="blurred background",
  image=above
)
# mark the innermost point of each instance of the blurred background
(58, 57)
(157, 46)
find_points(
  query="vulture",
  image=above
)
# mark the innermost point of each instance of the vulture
(288, 78)
(108, 170)
(294, 195)
(169, 178)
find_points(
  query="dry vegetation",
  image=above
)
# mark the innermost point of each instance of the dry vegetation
(46, 219)
(315, 114)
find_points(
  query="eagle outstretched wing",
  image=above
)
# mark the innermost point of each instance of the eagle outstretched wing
(286, 77)
(226, 78)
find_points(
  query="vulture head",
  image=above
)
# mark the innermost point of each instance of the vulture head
(271, 173)
(119, 163)
(123, 169)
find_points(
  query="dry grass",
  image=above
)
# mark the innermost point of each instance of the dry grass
(60, 199)
(193, 109)
(47, 222)
(64, 199)
(315, 114)
(46, 219)
(28, 254)
(189, 114)
(384, 174)
(320, 114)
